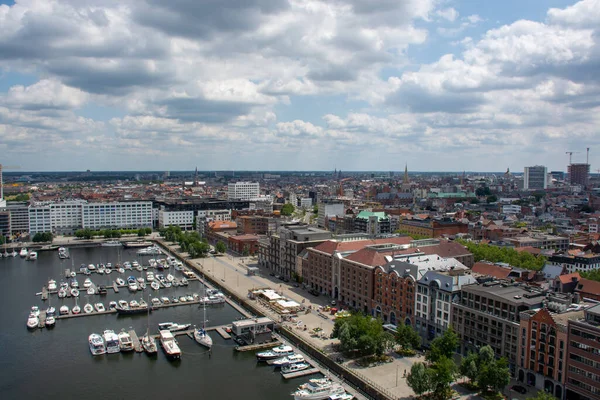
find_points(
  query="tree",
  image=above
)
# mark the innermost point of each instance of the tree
(468, 367)
(141, 232)
(287, 209)
(148, 231)
(360, 334)
(483, 191)
(42, 237)
(541, 395)
(443, 346)
(444, 373)
(419, 379)
(2, 240)
(494, 376)
(407, 337)
(220, 247)
(491, 198)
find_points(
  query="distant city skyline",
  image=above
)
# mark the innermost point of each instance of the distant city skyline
(299, 85)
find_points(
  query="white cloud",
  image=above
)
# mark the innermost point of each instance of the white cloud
(449, 14)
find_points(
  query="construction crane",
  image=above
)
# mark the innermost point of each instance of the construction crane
(570, 153)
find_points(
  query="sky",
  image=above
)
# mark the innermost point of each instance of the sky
(440, 85)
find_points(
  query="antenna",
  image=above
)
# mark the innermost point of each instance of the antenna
(587, 157)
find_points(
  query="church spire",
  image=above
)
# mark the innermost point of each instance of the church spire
(405, 180)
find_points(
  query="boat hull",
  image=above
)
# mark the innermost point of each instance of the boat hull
(127, 311)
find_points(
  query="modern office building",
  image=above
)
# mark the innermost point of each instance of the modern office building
(579, 174)
(182, 219)
(535, 178)
(243, 190)
(372, 223)
(329, 208)
(2, 201)
(583, 262)
(19, 217)
(40, 219)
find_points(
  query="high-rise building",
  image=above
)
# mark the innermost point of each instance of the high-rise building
(2, 201)
(535, 178)
(243, 190)
(579, 174)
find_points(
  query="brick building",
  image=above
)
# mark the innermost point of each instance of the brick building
(243, 244)
(432, 227)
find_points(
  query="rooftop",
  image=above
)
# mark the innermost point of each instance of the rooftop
(514, 293)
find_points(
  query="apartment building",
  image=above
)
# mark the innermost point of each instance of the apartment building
(576, 263)
(40, 220)
(136, 214)
(66, 217)
(437, 290)
(583, 365)
(373, 223)
(327, 209)
(543, 341)
(182, 219)
(489, 314)
(535, 178)
(432, 227)
(243, 190)
(540, 241)
(256, 224)
(19, 217)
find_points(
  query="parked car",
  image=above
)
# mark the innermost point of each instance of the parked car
(272, 273)
(519, 389)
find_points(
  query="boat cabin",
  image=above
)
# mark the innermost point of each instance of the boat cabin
(252, 327)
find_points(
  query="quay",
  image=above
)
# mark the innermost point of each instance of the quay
(258, 346)
(137, 345)
(67, 316)
(298, 374)
(190, 332)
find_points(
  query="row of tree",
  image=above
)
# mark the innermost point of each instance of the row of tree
(510, 256)
(287, 209)
(42, 237)
(111, 233)
(190, 242)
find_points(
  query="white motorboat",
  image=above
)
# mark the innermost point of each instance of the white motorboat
(170, 278)
(174, 300)
(120, 282)
(74, 283)
(108, 265)
(140, 279)
(318, 389)
(165, 300)
(142, 285)
(149, 276)
(127, 265)
(125, 342)
(35, 310)
(112, 243)
(135, 264)
(50, 311)
(132, 284)
(50, 321)
(32, 321)
(134, 304)
(123, 304)
(112, 305)
(184, 282)
(99, 307)
(75, 292)
(32, 256)
(296, 367)
(294, 358)
(101, 269)
(112, 342)
(88, 308)
(52, 285)
(64, 310)
(91, 291)
(183, 299)
(167, 284)
(189, 297)
(173, 327)
(73, 274)
(156, 301)
(121, 270)
(97, 346)
(169, 345)
(108, 270)
(154, 285)
(87, 283)
(277, 352)
(76, 309)
(23, 252)
(92, 267)
(14, 253)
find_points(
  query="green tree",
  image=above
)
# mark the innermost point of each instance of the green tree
(315, 210)
(360, 334)
(141, 232)
(287, 209)
(541, 395)
(42, 237)
(220, 247)
(148, 231)
(444, 373)
(443, 346)
(407, 337)
(419, 379)
(2, 240)
(491, 198)
(468, 367)
(494, 376)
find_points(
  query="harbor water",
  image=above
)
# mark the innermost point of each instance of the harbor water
(57, 363)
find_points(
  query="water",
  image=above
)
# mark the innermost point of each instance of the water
(52, 362)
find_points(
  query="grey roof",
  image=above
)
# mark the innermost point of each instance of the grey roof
(447, 282)
(552, 271)
(515, 294)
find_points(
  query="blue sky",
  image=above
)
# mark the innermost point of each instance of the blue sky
(293, 85)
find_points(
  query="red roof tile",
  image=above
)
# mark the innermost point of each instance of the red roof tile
(491, 270)
(568, 278)
(331, 246)
(588, 286)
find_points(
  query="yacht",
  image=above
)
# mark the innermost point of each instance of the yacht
(112, 342)
(125, 342)
(63, 253)
(202, 337)
(32, 256)
(277, 352)
(123, 304)
(88, 308)
(35, 310)
(120, 282)
(64, 310)
(165, 300)
(156, 301)
(91, 291)
(99, 307)
(97, 346)
(91, 267)
(52, 285)
(76, 309)
(169, 345)
(23, 252)
(294, 358)
(154, 285)
(132, 284)
(296, 367)
(33, 321)
(101, 269)
(87, 283)
(50, 321)
(112, 305)
(172, 327)
(111, 243)
(134, 304)
(149, 344)
(74, 292)
(318, 389)
(150, 276)
(74, 283)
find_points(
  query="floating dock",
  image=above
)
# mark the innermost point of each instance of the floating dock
(223, 333)
(137, 345)
(260, 346)
(44, 293)
(115, 287)
(42, 319)
(299, 374)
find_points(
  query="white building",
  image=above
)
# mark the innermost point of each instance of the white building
(329, 209)
(136, 214)
(511, 209)
(215, 215)
(306, 202)
(182, 219)
(65, 217)
(243, 190)
(535, 178)
(40, 220)
(2, 201)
